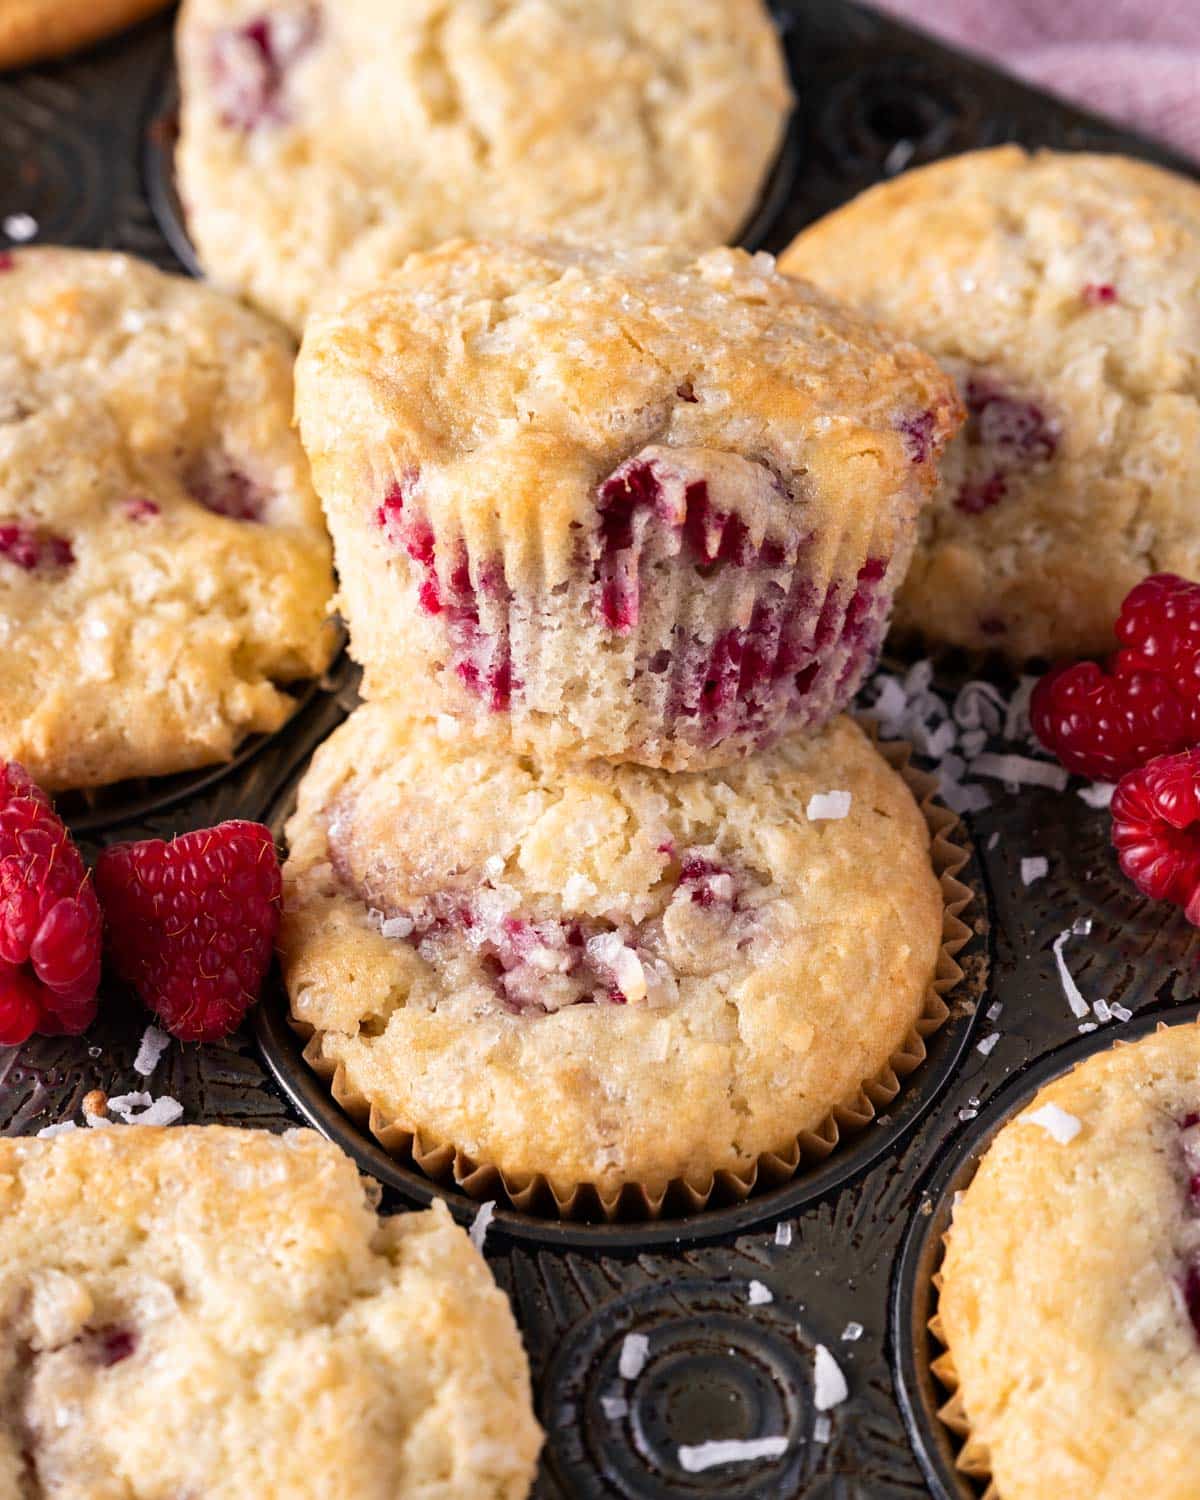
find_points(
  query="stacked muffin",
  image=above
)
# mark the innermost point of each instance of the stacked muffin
(588, 894)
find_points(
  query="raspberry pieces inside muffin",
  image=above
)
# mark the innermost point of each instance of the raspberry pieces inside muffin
(164, 570)
(210, 1312)
(603, 119)
(636, 504)
(600, 974)
(1059, 289)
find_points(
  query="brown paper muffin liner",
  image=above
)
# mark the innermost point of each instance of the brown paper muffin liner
(972, 1458)
(533, 1193)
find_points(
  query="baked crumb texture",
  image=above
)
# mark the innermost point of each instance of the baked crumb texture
(1061, 292)
(218, 1312)
(635, 504)
(602, 989)
(604, 119)
(164, 568)
(1070, 1289)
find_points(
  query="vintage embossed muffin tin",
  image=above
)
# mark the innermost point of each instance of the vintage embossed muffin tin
(85, 149)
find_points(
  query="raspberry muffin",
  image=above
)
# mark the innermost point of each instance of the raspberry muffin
(606, 976)
(1070, 1296)
(205, 1311)
(1060, 291)
(635, 504)
(637, 120)
(164, 568)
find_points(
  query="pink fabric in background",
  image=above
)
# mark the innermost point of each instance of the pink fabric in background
(1135, 60)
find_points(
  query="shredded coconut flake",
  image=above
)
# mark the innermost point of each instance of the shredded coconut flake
(1102, 1011)
(993, 840)
(635, 1351)
(759, 1294)
(614, 1407)
(1056, 1122)
(783, 1234)
(1035, 868)
(125, 1104)
(822, 1428)
(828, 805)
(481, 1223)
(988, 1042)
(729, 1451)
(154, 1043)
(20, 227)
(1098, 795)
(852, 1333)
(48, 1132)
(164, 1111)
(1020, 770)
(1121, 1012)
(1079, 1006)
(396, 927)
(829, 1384)
(994, 1009)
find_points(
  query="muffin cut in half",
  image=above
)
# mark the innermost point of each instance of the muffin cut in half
(164, 566)
(1060, 290)
(1070, 1289)
(633, 504)
(609, 978)
(212, 1312)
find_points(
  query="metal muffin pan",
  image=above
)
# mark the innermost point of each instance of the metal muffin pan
(85, 149)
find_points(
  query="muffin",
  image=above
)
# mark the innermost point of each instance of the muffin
(632, 504)
(604, 977)
(216, 1312)
(637, 120)
(1070, 1294)
(164, 567)
(1060, 291)
(31, 30)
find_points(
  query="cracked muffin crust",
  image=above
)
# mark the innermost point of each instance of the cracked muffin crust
(1070, 1295)
(637, 504)
(164, 568)
(623, 119)
(214, 1312)
(1060, 290)
(603, 974)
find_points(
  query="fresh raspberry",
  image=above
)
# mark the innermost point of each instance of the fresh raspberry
(192, 923)
(1101, 726)
(1156, 829)
(1159, 629)
(50, 925)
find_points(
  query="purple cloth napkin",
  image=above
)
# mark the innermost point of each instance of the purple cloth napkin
(1135, 60)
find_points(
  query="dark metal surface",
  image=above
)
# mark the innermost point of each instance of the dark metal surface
(85, 149)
